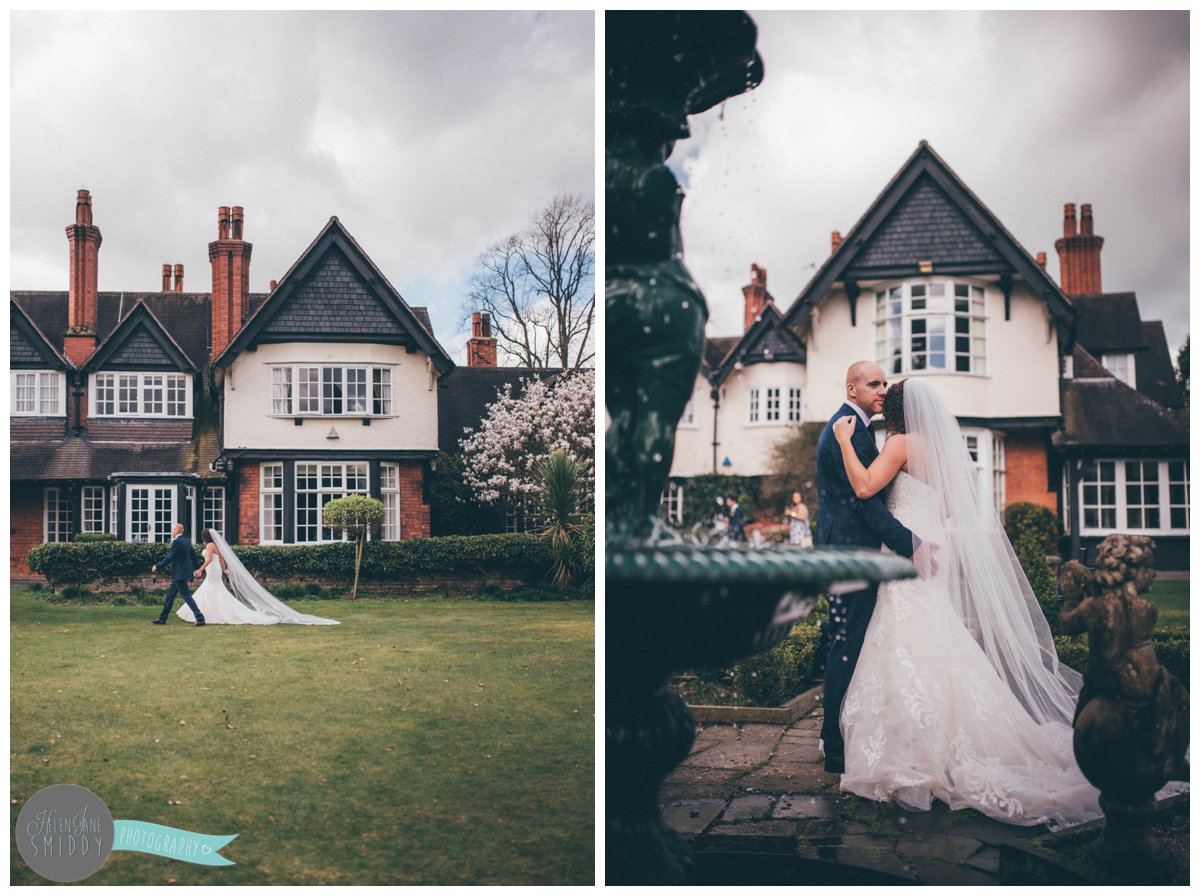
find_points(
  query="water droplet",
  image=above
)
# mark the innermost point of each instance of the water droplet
(685, 304)
(666, 318)
(646, 329)
(652, 234)
(657, 457)
(654, 281)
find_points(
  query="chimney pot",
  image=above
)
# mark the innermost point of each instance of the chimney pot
(274, 283)
(238, 217)
(83, 207)
(835, 240)
(1085, 221)
(1069, 228)
(487, 325)
(166, 275)
(1041, 260)
(179, 278)
(223, 223)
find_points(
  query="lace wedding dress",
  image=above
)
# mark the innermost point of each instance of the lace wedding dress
(928, 716)
(218, 604)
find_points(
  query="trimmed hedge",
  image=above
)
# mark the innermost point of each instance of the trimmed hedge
(520, 556)
(1026, 521)
(779, 674)
(1173, 650)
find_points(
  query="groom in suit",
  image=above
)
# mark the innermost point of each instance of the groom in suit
(845, 520)
(182, 561)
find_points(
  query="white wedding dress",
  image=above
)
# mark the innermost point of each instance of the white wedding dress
(927, 716)
(218, 604)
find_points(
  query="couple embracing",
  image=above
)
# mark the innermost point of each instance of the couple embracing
(947, 685)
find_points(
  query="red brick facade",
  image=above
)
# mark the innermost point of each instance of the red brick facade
(1079, 254)
(481, 347)
(414, 512)
(25, 526)
(1026, 476)
(248, 509)
(755, 294)
(230, 257)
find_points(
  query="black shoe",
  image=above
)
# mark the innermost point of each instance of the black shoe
(198, 623)
(158, 621)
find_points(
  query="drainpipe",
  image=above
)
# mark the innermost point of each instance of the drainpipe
(715, 395)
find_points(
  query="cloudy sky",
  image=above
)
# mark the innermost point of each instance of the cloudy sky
(1031, 110)
(429, 135)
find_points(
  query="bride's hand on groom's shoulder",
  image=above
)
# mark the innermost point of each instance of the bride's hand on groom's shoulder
(843, 429)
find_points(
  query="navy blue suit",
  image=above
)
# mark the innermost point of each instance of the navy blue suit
(845, 520)
(737, 524)
(182, 561)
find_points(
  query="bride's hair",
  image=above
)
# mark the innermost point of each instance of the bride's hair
(893, 408)
(205, 536)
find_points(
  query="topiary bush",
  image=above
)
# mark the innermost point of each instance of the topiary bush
(1032, 522)
(85, 537)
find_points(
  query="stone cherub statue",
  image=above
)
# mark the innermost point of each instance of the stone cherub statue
(1131, 722)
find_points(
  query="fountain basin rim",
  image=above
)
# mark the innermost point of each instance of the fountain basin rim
(784, 565)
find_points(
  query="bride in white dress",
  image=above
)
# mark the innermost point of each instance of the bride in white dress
(958, 694)
(248, 603)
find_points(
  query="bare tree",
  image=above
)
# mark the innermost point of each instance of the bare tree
(538, 287)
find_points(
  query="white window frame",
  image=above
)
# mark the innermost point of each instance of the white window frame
(672, 502)
(1120, 503)
(795, 409)
(331, 390)
(986, 448)
(688, 420)
(326, 491)
(900, 307)
(92, 501)
(772, 405)
(389, 494)
(43, 381)
(124, 395)
(1122, 365)
(212, 514)
(56, 516)
(159, 522)
(752, 410)
(270, 504)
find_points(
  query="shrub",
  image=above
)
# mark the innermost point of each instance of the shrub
(1041, 578)
(357, 516)
(700, 495)
(787, 669)
(518, 556)
(1026, 521)
(288, 591)
(312, 589)
(86, 537)
(1173, 650)
(1071, 652)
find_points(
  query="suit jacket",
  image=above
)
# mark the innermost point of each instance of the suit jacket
(844, 519)
(737, 524)
(181, 558)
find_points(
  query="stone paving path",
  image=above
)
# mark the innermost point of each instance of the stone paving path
(763, 790)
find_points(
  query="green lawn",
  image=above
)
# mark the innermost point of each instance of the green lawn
(435, 742)
(1173, 605)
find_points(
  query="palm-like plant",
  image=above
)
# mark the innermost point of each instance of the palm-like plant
(561, 481)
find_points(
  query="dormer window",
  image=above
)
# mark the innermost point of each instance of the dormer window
(157, 395)
(931, 325)
(38, 393)
(304, 391)
(1122, 366)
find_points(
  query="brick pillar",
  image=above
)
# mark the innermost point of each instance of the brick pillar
(1027, 470)
(166, 278)
(414, 512)
(756, 295)
(247, 504)
(1079, 253)
(230, 258)
(178, 278)
(481, 347)
(84, 240)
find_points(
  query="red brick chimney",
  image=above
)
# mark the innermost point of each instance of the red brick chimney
(1079, 254)
(835, 241)
(166, 278)
(1041, 260)
(756, 295)
(230, 257)
(179, 278)
(84, 240)
(481, 347)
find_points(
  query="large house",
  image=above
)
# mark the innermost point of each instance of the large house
(1066, 398)
(241, 411)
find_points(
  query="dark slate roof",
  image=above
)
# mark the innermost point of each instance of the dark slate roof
(767, 341)
(1155, 370)
(334, 291)
(716, 349)
(1109, 322)
(140, 342)
(926, 213)
(28, 346)
(185, 316)
(465, 393)
(1100, 413)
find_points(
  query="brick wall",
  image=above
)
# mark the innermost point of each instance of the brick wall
(414, 512)
(137, 431)
(24, 527)
(1026, 464)
(35, 429)
(247, 496)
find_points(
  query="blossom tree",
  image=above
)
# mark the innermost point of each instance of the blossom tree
(501, 457)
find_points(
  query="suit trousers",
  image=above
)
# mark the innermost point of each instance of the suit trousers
(849, 616)
(179, 588)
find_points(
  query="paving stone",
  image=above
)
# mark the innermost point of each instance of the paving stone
(769, 829)
(691, 816)
(979, 827)
(752, 748)
(987, 860)
(882, 860)
(703, 782)
(944, 847)
(802, 805)
(936, 820)
(931, 872)
(747, 808)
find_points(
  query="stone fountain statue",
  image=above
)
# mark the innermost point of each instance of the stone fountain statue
(1131, 723)
(670, 606)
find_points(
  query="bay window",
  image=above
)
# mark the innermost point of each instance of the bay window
(331, 391)
(937, 325)
(163, 395)
(38, 393)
